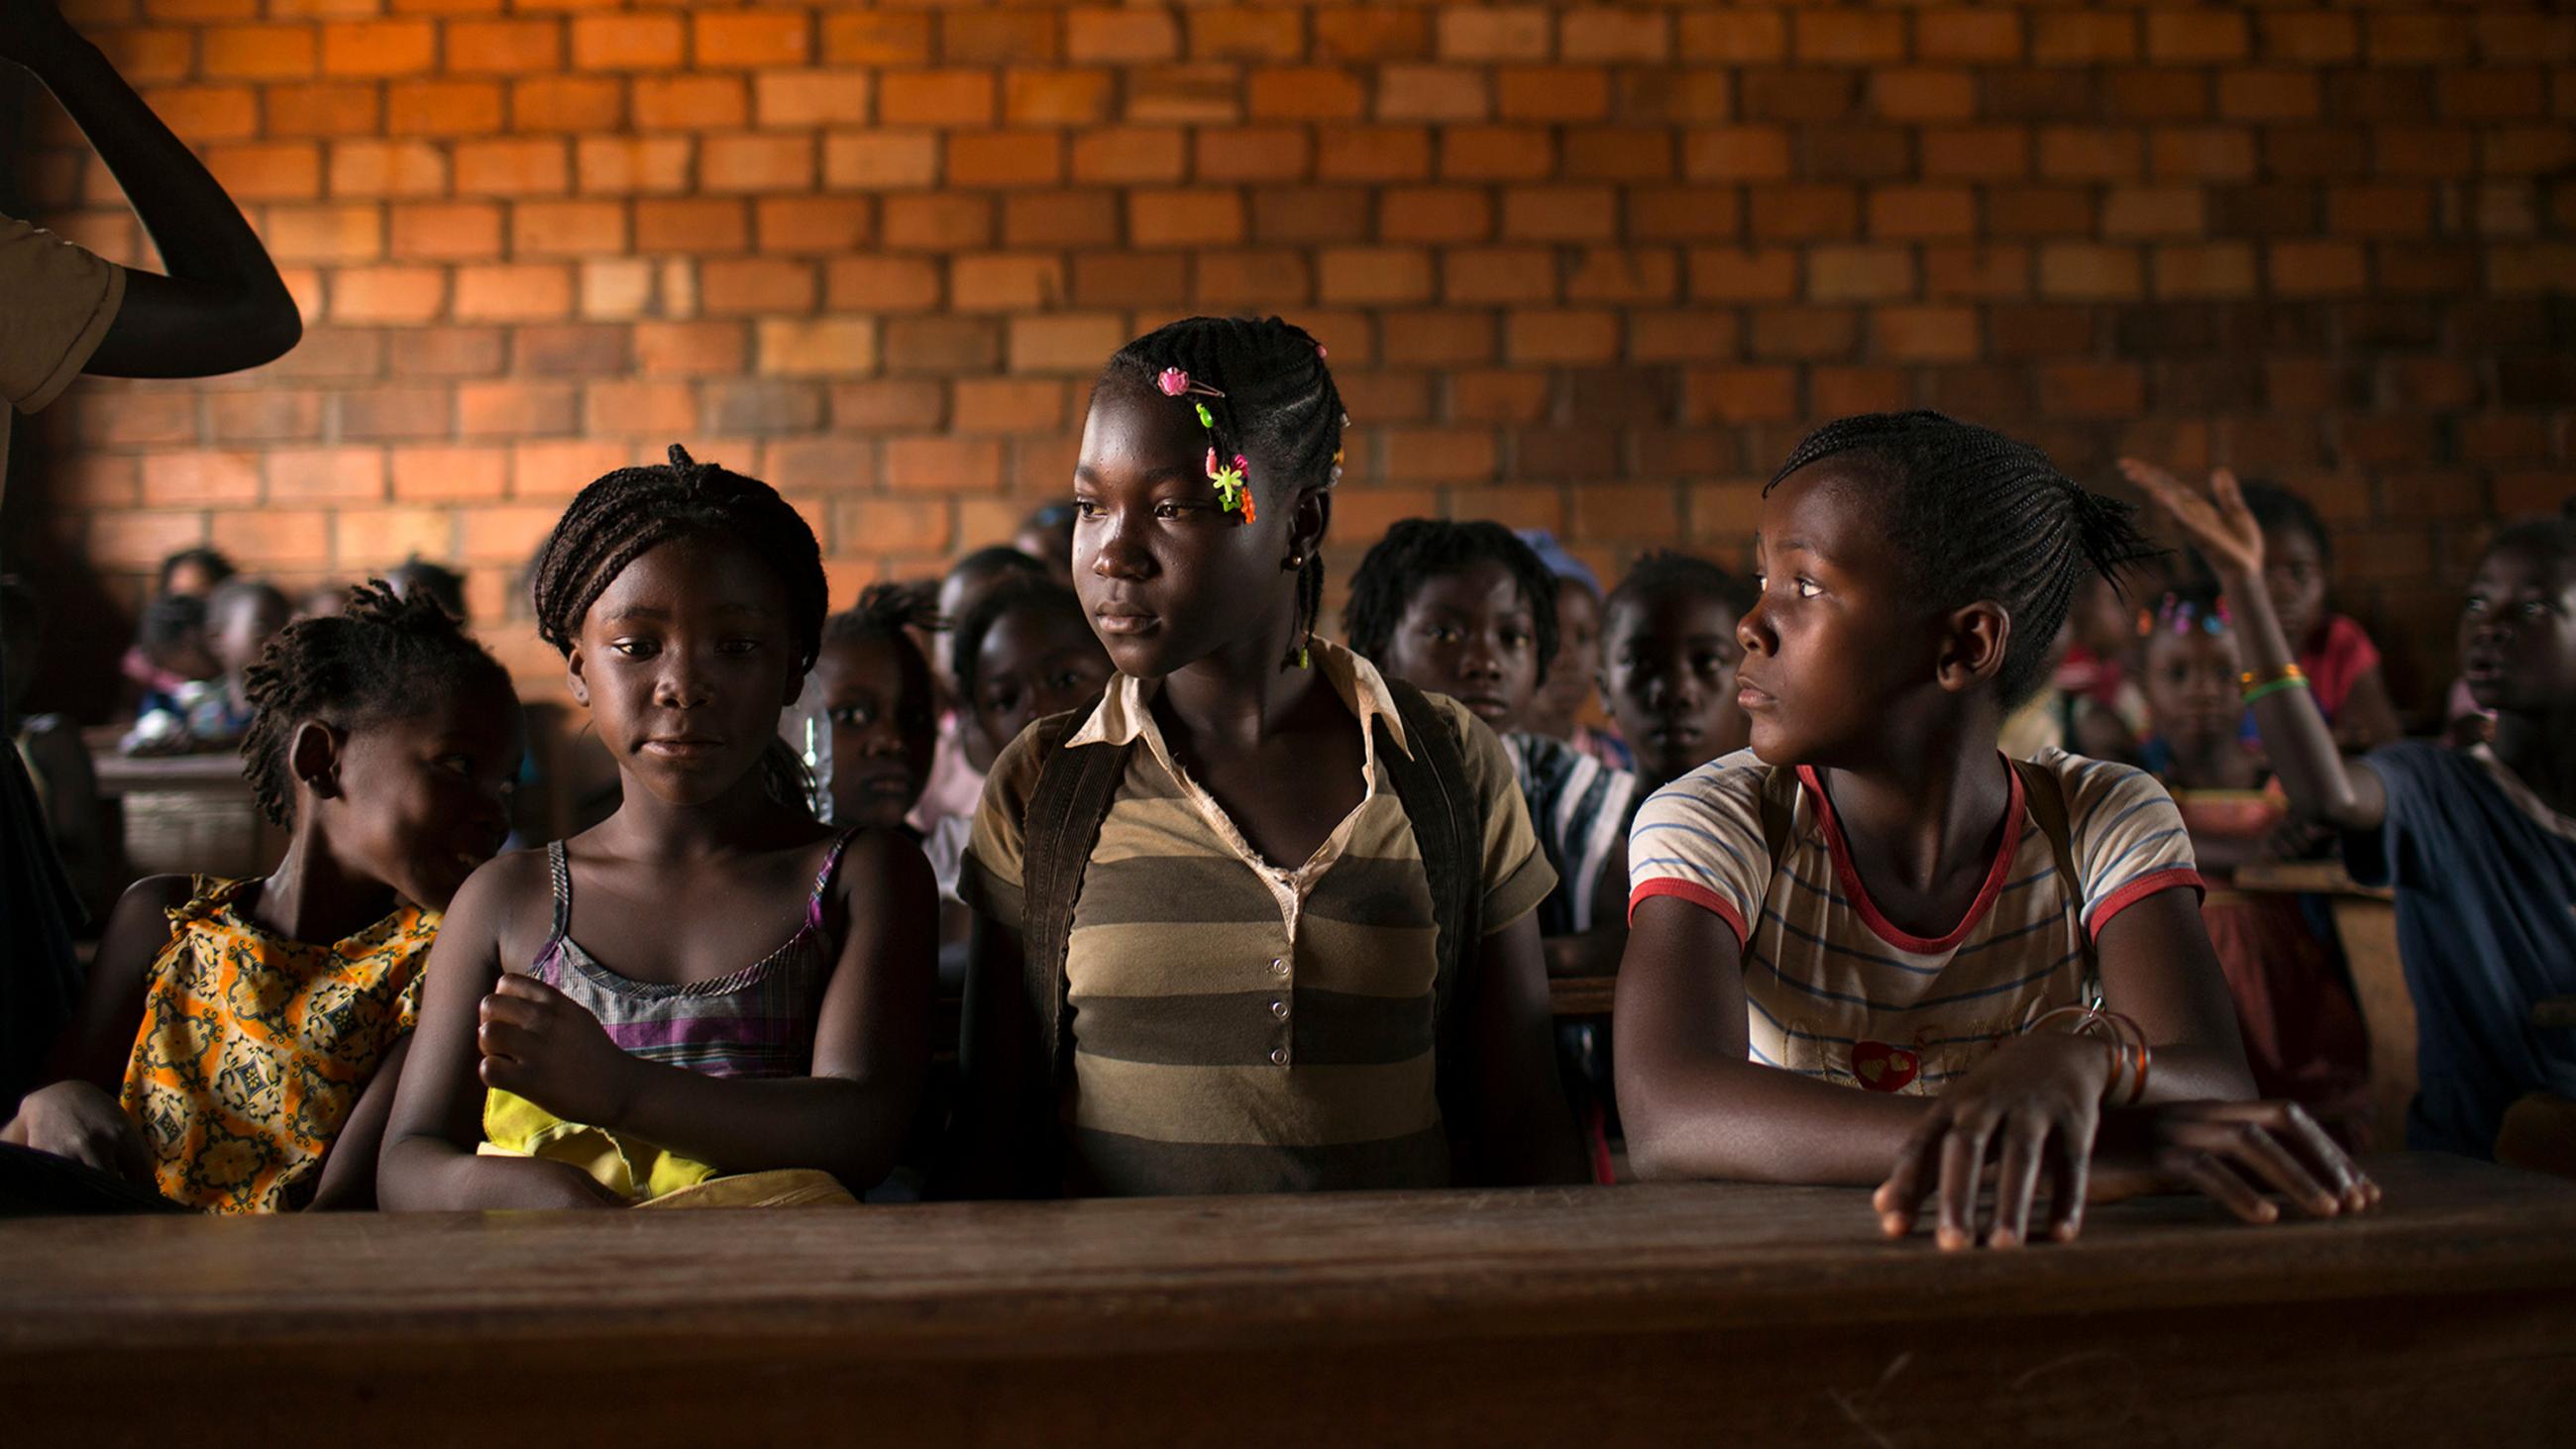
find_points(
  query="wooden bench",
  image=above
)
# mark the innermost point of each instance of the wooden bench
(184, 814)
(1691, 1313)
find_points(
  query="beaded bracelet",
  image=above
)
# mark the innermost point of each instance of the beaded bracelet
(2290, 681)
(2122, 1038)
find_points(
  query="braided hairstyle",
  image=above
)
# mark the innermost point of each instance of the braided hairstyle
(1983, 516)
(628, 513)
(374, 662)
(1417, 549)
(1666, 573)
(1281, 411)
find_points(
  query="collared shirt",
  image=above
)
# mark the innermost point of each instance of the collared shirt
(1241, 1026)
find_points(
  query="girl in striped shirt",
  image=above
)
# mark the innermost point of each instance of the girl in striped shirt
(1870, 950)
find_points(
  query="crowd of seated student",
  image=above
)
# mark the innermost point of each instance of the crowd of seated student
(1247, 909)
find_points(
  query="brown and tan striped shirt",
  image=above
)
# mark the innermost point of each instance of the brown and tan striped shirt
(1239, 1027)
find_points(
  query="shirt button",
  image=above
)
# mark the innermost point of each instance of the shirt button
(1278, 1056)
(1279, 1009)
(1279, 964)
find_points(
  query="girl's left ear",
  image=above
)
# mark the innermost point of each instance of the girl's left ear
(1974, 641)
(313, 757)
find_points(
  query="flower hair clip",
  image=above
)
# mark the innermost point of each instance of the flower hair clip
(1233, 482)
(2182, 615)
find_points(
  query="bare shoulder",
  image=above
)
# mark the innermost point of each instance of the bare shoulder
(504, 899)
(880, 862)
(140, 925)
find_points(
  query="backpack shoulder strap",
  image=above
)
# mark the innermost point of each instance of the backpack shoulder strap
(1066, 808)
(2044, 796)
(1448, 822)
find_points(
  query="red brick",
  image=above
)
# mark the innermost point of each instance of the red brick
(1988, 270)
(272, 537)
(2309, 37)
(378, 47)
(882, 284)
(2201, 153)
(513, 168)
(337, 108)
(748, 163)
(880, 160)
(268, 171)
(876, 38)
(1683, 213)
(2089, 153)
(443, 108)
(2270, 95)
(1496, 153)
(972, 37)
(1070, 342)
(936, 98)
(1060, 218)
(1006, 158)
(1734, 274)
(1624, 276)
(1848, 37)
(941, 465)
(808, 98)
(1860, 273)
(517, 409)
(751, 39)
(821, 346)
(1120, 35)
(1924, 334)
(1923, 95)
(1200, 217)
(1307, 93)
(260, 52)
(1736, 153)
(691, 103)
(2082, 271)
(1556, 92)
(1618, 153)
(2195, 36)
(1121, 154)
(1613, 33)
(567, 103)
(1006, 282)
(809, 223)
(1498, 33)
(325, 475)
(504, 47)
(2379, 211)
(1560, 213)
(2154, 211)
(441, 473)
(756, 286)
(1561, 336)
(523, 292)
(324, 233)
(2419, 38)
(207, 113)
(142, 540)
(387, 294)
(446, 231)
(623, 164)
(2084, 37)
(2099, 389)
(1922, 211)
(374, 539)
(690, 349)
(1371, 35)
(1378, 153)
(1974, 36)
(1057, 97)
(200, 478)
(1258, 35)
(628, 42)
(1975, 153)
(1788, 213)
(1374, 276)
(1433, 93)
(1253, 153)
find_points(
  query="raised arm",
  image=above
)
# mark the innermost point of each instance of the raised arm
(2312, 770)
(222, 306)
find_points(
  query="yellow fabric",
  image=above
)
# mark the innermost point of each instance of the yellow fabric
(635, 1170)
(785, 1187)
(254, 1049)
(56, 303)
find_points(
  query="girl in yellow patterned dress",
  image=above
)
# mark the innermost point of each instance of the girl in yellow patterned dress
(240, 1039)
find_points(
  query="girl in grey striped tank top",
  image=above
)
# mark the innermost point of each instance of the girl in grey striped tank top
(591, 1034)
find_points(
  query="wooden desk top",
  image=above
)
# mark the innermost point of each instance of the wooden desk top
(1677, 1313)
(1080, 1277)
(207, 771)
(2305, 877)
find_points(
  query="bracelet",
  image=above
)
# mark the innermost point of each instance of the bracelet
(2121, 1036)
(2250, 678)
(2275, 687)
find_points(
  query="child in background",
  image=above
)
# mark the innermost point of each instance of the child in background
(1278, 905)
(2100, 709)
(1467, 610)
(1023, 652)
(2302, 1031)
(1574, 671)
(883, 706)
(1047, 536)
(2479, 841)
(242, 615)
(2335, 654)
(605, 992)
(191, 573)
(957, 771)
(1668, 658)
(444, 585)
(239, 1042)
(326, 600)
(172, 645)
(1873, 950)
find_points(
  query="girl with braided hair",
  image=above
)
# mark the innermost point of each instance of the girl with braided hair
(1871, 950)
(1243, 961)
(240, 1041)
(595, 1032)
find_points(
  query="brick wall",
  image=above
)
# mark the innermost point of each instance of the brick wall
(1591, 267)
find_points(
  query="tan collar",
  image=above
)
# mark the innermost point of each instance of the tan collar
(1125, 714)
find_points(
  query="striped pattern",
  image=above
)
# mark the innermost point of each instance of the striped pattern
(1832, 988)
(1239, 1027)
(1581, 809)
(756, 1022)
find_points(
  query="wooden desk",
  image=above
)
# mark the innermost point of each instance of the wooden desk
(1693, 1313)
(185, 814)
(2365, 920)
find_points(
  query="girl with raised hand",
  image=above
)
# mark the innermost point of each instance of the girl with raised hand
(2479, 840)
(1870, 949)
(1256, 919)
(708, 984)
(240, 1040)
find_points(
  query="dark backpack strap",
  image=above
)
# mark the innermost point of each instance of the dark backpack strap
(2043, 794)
(1448, 821)
(1062, 827)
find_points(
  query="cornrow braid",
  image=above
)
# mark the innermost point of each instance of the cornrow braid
(375, 661)
(1984, 516)
(1280, 411)
(630, 512)
(1416, 550)
(625, 514)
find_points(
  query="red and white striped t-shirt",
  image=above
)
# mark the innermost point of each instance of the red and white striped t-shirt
(1832, 988)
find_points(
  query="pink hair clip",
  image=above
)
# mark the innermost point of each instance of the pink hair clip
(1175, 383)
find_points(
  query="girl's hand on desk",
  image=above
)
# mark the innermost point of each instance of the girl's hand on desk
(79, 1121)
(2234, 1152)
(2038, 1099)
(548, 1048)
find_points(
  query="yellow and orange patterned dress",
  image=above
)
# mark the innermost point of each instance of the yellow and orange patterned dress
(254, 1049)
